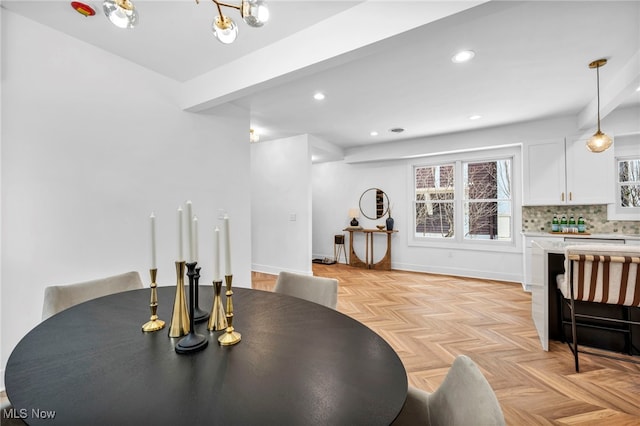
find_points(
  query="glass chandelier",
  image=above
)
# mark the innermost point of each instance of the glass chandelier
(254, 12)
(121, 13)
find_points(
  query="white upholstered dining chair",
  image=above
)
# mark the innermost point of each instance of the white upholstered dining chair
(314, 289)
(464, 398)
(60, 297)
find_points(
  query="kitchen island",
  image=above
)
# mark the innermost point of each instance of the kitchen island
(546, 262)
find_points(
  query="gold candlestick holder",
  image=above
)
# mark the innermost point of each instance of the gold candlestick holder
(230, 336)
(154, 324)
(217, 319)
(180, 319)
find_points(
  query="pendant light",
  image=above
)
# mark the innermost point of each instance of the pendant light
(253, 12)
(599, 142)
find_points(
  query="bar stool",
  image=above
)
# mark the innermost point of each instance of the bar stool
(338, 246)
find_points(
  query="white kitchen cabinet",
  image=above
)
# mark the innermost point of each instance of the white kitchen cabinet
(544, 173)
(540, 292)
(559, 172)
(528, 266)
(590, 176)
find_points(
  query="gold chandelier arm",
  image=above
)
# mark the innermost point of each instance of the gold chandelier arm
(218, 3)
(219, 6)
(219, 10)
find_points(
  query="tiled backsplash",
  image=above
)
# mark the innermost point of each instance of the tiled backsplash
(538, 219)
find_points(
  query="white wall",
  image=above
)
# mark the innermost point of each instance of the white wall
(281, 205)
(332, 199)
(2, 362)
(91, 144)
(337, 187)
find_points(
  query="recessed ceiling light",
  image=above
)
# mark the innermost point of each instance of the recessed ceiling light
(475, 117)
(318, 96)
(463, 56)
(397, 130)
(374, 133)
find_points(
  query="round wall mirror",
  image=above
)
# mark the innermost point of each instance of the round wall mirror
(374, 203)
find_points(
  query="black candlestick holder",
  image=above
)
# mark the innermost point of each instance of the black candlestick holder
(193, 341)
(199, 314)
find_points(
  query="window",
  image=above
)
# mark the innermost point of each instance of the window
(629, 183)
(434, 201)
(626, 201)
(462, 201)
(487, 200)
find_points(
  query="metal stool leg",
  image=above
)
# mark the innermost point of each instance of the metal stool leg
(341, 249)
(338, 246)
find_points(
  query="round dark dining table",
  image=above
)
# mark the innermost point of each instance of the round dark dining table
(298, 363)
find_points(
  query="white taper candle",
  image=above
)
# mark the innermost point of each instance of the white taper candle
(190, 231)
(195, 238)
(153, 240)
(180, 257)
(216, 255)
(227, 246)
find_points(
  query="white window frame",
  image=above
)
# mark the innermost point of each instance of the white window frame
(625, 148)
(470, 201)
(616, 211)
(512, 152)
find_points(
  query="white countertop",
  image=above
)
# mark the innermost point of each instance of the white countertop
(598, 236)
(557, 245)
(549, 246)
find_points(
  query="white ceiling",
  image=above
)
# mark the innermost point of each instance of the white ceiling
(531, 62)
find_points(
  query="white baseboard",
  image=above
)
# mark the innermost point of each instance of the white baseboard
(330, 256)
(275, 270)
(459, 272)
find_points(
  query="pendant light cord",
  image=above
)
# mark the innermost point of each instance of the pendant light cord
(598, 87)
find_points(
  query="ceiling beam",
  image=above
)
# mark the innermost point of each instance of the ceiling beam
(336, 40)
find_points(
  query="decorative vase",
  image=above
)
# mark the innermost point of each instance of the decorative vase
(389, 223)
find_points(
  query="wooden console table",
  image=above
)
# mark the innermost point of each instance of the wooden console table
(354, 260)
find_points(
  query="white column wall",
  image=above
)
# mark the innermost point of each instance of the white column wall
(91, 145)
(281, 205)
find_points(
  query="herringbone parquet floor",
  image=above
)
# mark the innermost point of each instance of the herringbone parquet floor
(430, 319)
